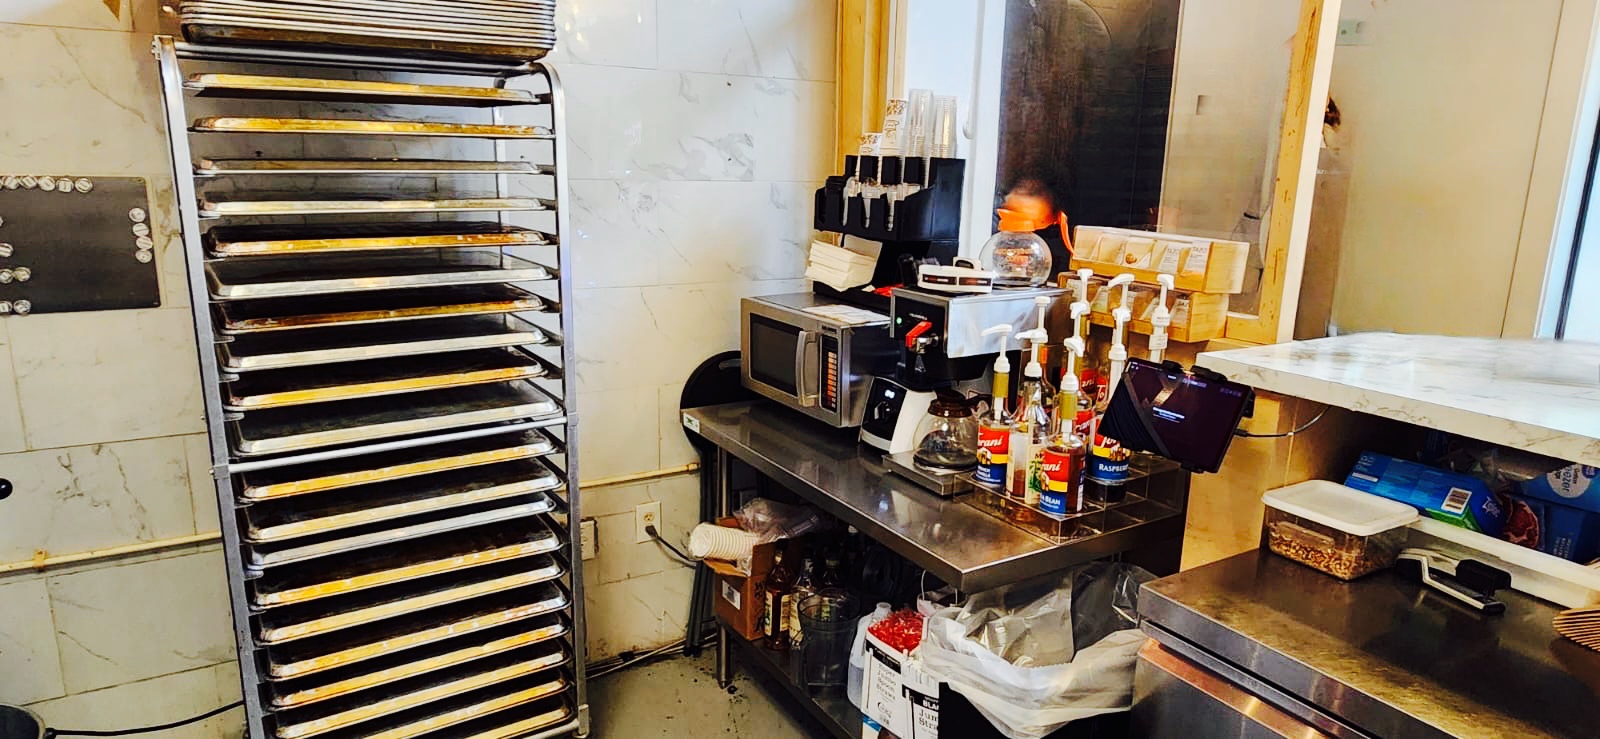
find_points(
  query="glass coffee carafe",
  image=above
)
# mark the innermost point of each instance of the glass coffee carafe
(948, 435)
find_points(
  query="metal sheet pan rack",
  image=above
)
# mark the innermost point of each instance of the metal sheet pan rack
(377, 252)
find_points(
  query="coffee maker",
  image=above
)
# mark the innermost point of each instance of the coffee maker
(941, 344)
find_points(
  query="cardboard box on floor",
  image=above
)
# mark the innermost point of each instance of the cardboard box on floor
(738, 595)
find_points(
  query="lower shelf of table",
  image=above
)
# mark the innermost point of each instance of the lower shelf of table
(828, 706)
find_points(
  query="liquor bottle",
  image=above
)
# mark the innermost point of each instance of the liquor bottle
(832, 574)
(804, 587)
(779, 599)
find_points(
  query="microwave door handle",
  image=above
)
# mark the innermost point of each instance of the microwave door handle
(805, 347)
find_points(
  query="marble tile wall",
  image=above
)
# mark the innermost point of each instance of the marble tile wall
(700, 130)
(101, 427)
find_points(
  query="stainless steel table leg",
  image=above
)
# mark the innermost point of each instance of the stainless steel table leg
(724, 657)
(724, 473)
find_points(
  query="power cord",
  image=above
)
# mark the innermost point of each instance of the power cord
(684, 559)
(144, 730)
(1308, 424)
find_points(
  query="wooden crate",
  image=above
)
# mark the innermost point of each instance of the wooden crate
(1225, 262)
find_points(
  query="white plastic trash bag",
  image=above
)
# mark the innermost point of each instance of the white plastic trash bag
(1041, 683)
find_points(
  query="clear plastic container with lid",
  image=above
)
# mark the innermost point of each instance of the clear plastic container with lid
(1016, 255)
(1338, 530)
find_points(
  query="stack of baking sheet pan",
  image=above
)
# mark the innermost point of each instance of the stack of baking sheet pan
(500, 29)
(387, 373)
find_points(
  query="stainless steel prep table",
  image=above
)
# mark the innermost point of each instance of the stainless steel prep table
(1376, 657)
(952, 540)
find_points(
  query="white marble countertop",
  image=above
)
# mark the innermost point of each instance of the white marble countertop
(1541, 396)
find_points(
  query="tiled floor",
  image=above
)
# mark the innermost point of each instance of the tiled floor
(680, 698)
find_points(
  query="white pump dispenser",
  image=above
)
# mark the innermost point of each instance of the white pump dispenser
(1080, 320)
(1119, 347)
(1037, 337)
(1160, 320)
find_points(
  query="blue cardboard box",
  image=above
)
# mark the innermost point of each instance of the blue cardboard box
(1447, 496)
(1574, 485)
(1555, 529)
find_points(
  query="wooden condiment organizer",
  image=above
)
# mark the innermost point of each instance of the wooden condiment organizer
(1225, 265)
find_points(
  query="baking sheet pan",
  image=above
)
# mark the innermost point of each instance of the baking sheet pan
(441, 715)
(296, 386)
(265, 205)
(264, 556)
(363, 91)
(344, 309)
(527, 29)
(320, 346)
(535, 13)
(255, 167)
(392, 668)
(288, 518)
(277, 430)
(314, 619)
(533, 37)
(535, 606)
(518, 722)
(293, 240)
(368, 472)
(225, 30)
(291, 277)
(421, 693)
(346, 127)
(404, 562)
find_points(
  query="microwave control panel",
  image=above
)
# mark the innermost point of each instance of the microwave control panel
(828, 367)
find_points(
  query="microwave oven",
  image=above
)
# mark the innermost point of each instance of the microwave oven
(814, 355)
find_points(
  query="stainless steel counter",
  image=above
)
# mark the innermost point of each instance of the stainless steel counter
(954, 541)
(1379, 655)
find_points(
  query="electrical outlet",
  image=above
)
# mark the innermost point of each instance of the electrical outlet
(646, 514)
(588, 538)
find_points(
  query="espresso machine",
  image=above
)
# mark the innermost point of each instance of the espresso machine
(942, 347)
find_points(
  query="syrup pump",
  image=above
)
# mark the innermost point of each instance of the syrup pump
(994, 431)
(1080, 320)
(1030, 426)
(1119, 347)
(1160, 320)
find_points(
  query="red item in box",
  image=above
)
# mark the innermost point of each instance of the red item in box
(901, 630)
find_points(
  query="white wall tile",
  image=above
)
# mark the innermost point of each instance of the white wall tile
(12, 437)
(123, 623)
(106, 376)
(30, 669)
(229, 689)
(675, 447)
(674, 233)
(79, 499)
(89, 104)
(657, 335)
(650, 124)
(203, 491)
(101, 15)
(614, 499)
(642, 613)
(616, 443)
(155, 701)
(793, 40)
(618, 33)
(619, 557)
